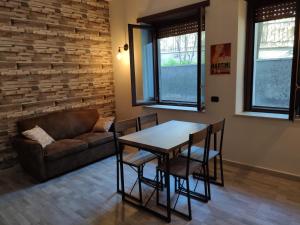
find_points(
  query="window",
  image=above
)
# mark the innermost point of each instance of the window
(270, 61)
(273, 58)
(167, 58)
(178, 59)
(178, 68)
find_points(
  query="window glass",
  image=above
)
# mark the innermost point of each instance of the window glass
(178, 68)
(143, 63)
(273, 53)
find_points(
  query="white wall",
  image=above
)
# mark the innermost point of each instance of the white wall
(266, 143)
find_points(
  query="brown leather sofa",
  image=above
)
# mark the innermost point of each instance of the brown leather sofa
(75, 144)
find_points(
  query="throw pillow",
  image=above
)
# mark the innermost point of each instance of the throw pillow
(39, 135)
(103, 124)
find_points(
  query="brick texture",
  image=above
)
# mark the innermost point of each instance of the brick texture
(54, 55)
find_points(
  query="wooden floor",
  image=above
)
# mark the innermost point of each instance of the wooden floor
(88, 196)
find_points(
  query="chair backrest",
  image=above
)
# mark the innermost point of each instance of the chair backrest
(150, 119)
(217, 129)
(124, 127)
(195, 138)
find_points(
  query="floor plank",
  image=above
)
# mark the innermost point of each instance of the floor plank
(88, 197)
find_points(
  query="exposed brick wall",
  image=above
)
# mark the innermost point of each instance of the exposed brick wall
(54, 55)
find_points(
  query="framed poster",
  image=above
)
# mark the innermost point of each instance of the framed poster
(220, 59)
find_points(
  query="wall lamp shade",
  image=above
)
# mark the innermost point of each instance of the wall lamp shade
(125, 48)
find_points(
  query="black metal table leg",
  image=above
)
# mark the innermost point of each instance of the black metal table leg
(168, 189)
(136, 201)
(122, 172)
(118, 172)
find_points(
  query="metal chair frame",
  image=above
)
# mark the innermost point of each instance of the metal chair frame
(146, 119)
(122, 127)
(216, 128)
(181, 190)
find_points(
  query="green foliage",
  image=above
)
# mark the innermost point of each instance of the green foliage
(173, 62)
(170, 62)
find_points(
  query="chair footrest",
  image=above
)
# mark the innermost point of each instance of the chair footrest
(150, 182)
(194, 195)
(138, 205)
(130, 196)
(212, 180)
(176, 211)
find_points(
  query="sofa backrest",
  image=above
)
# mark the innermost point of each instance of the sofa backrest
(62, 125)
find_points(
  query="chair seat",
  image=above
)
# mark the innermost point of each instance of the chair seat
(178, 166)
(198, 152)
(138, 158)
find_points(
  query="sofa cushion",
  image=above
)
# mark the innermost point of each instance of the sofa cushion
(96, 138)
(64, 147)
(63, 125)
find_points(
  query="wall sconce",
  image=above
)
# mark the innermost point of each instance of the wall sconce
(125, 48)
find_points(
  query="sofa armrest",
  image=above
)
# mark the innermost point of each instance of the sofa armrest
(28, 147)
(31, 156)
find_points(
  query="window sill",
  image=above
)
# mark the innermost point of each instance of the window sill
(173, 107)
(263, 115)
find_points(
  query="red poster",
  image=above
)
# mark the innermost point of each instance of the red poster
(220, 59)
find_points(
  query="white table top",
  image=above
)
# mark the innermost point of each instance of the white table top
(164, 137)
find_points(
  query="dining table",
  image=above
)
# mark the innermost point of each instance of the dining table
(161, 140)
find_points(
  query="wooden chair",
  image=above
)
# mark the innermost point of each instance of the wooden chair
(182, 167)
(217, 129)
(144, 122)
(135, 160)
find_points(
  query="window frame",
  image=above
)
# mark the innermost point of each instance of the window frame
(295, 81)
(199, 74)
(249, 65)
(132, 64)
(157, 100)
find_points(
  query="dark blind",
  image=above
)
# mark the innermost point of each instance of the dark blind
(266, 10)
(178, 29)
